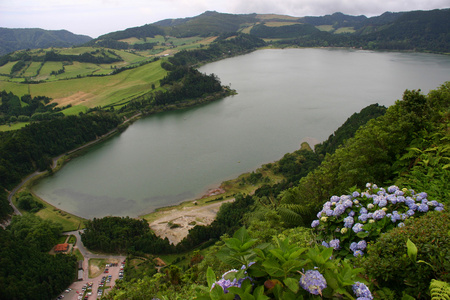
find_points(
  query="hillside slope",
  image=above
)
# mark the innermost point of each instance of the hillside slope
(31, 38)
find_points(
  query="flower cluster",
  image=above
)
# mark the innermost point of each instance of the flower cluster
(361, 291)
(346, 220)
(313, 282)
(229, 279)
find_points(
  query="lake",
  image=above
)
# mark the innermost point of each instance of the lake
(284, 97)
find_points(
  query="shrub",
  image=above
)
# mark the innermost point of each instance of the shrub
(387, 260)
(347, 223)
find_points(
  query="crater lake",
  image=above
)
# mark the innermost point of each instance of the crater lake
(284, 97)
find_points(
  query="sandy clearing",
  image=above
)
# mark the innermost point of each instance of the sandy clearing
(185, 218)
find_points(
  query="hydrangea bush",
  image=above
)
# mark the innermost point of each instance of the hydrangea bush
(348, 222)
(283, 271)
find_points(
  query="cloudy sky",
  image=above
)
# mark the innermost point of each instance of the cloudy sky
(97, 17)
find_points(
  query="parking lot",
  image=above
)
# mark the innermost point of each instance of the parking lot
(94, 288)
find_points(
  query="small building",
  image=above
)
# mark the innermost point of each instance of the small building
(62, 247)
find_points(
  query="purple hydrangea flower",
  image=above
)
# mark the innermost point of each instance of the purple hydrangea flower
(422, 195)
(355, 194)
(382, 202)
(434, 203)
(315, 223)
(357, 253)
(401, 199)
(325, 244)
(313, 282)
(363, 210)
(410, 213)
(335, 244)
(361, 290)
(409, 201)
(439, 208)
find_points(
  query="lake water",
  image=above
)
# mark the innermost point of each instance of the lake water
(284, 97)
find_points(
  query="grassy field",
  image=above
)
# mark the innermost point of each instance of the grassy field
(327, 28)
(14, 126)
(345, 30)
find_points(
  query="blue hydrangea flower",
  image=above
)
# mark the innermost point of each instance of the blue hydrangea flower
(357, 253)
(423, 208)
(357, 227)
(434, 203)
(348, 203)
(392, 189)
(363, 210)
(363, 217)
(399, 193)
(339, 210)
(313, 282)
(315, 223)
(362, 245)
(439, 208)
(329, 212)
(379, 214)
(334, 198)
(354, 246)
(410, 213)
(401, 199)
(382, 203)
(348, 222)
(351, 213)
(361, 290)
(325, 244)
(355, 194)
(335, 244)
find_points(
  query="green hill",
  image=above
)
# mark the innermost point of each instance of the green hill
(32, 38)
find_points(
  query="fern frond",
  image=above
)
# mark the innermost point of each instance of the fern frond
(439, 290)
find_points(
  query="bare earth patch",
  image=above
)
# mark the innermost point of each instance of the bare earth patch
(74, 99)
(175, 224)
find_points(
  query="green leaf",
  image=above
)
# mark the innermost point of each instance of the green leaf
(362, 234)
(273, 268)
(210, 277)
(234, 244)
(292, 284)
(412, 250)
(242, 235)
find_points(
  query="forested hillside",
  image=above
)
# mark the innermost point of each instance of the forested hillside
(31, 38)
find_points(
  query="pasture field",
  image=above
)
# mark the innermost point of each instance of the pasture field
(92, 91)
(6, 69)
(325, 27)
(279, 24)
(345, 30)
(48, 68)
(32, 69)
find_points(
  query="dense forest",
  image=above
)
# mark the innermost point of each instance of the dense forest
(27, 270)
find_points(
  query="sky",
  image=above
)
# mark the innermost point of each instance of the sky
(97, 17)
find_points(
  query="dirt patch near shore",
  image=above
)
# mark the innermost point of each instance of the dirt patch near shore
(176, 223)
